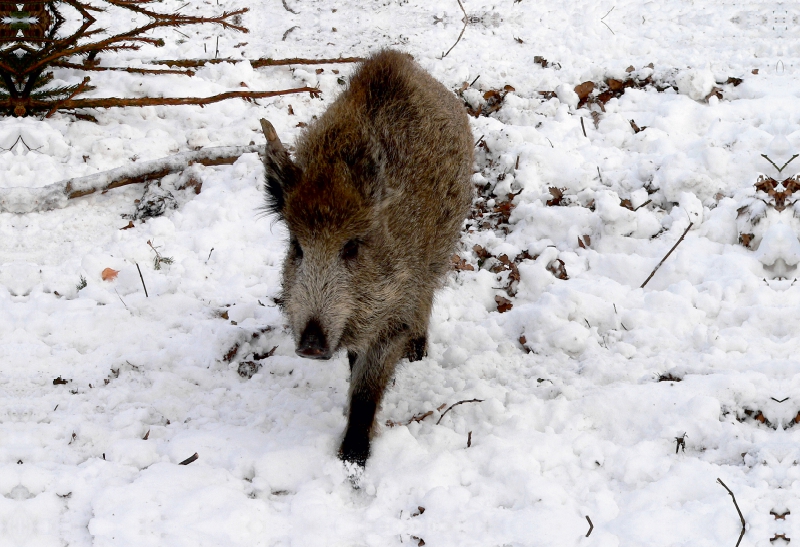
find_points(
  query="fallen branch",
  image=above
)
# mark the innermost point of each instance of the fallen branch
(23, 105)
(25, 200)
(667, 255)
(456, 404)
(132, 70)
(416, 418)
(256, 63)
(741, 517)
(113, 102)
(466, 20)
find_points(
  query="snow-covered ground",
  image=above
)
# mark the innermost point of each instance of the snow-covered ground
(580, 422)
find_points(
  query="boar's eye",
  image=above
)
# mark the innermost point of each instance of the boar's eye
(297, 250)
(350, 250)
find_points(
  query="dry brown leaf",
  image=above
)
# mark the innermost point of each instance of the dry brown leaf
(558, 269)
(109, 274)
(584, 90)
(461, 264)
(503, 304)
(231, 352)
(558, 196)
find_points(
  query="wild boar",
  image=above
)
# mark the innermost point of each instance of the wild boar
(374, 202)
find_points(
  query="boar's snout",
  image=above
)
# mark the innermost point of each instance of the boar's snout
(313, 343)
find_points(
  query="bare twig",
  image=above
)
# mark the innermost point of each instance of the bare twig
(466, 20)
(416, 418)
(741, 517)
(667, 255)
(643, 204)
(584, 128)
(285, 34)
(780, 169)
(121, 300)
(456, 404)
(606, 15)
(287, 8)
(469, 439)
(591, 526)
(142, 278)
(457, 40)
(190, 459)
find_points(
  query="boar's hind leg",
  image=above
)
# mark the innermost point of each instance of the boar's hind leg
(370, 372)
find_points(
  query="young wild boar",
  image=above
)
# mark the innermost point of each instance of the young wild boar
(374, 201)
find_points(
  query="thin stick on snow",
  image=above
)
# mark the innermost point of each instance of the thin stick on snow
(142, 278)
(780, 169)
(591, 526)
(190, 459)
(286, 7)
(649, 277)
(456, 404)
(466, 20)
(741, 535)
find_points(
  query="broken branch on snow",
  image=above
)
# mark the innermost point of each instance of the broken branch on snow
(113, 102)
(649, 277)
(25, 200)
(741, 517)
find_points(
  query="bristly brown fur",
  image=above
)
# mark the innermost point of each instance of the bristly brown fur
(374, 203)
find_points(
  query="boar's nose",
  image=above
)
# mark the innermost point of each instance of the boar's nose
(313, 343)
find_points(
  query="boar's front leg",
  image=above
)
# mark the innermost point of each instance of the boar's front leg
(370, 372)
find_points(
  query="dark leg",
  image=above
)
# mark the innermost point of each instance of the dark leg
(370, 373)
(417, 348)
(355, 446)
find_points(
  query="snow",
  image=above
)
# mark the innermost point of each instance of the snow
(573, 424)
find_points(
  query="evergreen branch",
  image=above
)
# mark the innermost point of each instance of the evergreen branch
(80, 88)
(66, 64)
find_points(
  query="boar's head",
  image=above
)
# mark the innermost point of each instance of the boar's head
(335, 284)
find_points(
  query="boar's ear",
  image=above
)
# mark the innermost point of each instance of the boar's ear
(279, 169)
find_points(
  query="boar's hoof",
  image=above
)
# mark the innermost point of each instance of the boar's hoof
(313, 343)
(355, 449)
(416, 348)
